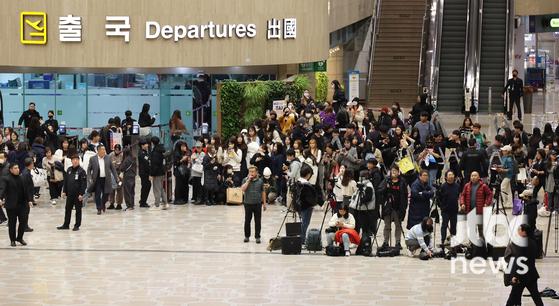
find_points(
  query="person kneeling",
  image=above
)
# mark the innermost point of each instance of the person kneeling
(342, 229)
(419, 237)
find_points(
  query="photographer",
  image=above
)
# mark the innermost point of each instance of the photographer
(449, 194)
(362, 206)
(307, 199)
(394, 210)
(473, 160)
(419, 238)
(421, 194)
(341, 229)
(507, 172)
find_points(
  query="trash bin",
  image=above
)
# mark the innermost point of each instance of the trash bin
(527, 99)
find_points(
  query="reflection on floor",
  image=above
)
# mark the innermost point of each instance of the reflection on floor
(195, 255)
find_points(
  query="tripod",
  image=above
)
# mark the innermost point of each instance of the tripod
(275, 243)
(556, 228)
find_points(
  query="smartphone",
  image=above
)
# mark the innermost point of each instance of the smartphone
(135, 129)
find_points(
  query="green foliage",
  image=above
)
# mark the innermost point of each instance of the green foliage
(300, 84)
(231, 101)
(276, 91)
(255, 98)
(321, 94)
(243, 103)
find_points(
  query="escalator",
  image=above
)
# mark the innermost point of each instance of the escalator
(397, 53)
(450, 95)
(493, 52)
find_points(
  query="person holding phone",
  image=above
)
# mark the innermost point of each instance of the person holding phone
(254, 201)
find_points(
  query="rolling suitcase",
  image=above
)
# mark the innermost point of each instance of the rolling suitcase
(314, 237)
(314, 241)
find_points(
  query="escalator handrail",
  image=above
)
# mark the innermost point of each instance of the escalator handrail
(423, 47)
(436, 49)
(374, 34)
(509, 45)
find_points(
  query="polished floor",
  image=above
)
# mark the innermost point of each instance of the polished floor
(194, 255)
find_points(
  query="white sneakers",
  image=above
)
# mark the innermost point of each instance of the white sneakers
(53, 202)
(347, 253)
(160, 207)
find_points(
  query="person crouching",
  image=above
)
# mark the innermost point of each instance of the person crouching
(419, 238)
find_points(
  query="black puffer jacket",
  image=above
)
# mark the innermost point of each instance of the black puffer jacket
(157, 166)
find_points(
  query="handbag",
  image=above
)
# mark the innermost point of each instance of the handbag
(198, 168)
(39, 177)
(517, 206)
(406, 165)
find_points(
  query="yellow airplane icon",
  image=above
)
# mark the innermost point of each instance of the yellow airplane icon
(33, 27)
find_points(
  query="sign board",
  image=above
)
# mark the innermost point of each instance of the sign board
(554, 23)
(319, 66)
(353, 85)
(102, 34)
(279, 105)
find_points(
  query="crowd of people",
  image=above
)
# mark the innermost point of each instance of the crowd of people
(333, 150)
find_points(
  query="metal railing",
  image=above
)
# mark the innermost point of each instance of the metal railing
(374, 33)
(423, 47)
(509, 43)
(436, 32)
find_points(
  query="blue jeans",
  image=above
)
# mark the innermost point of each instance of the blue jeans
(345, 240)
(305, 221)
(433, 176)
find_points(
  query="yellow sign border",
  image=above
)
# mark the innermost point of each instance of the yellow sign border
(22, 25)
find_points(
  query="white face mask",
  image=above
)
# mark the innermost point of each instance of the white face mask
(307, 95)
(308, 115)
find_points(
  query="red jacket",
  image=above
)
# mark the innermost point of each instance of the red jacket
(484, 197)
(353, 235)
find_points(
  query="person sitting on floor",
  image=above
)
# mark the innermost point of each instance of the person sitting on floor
(342, 229)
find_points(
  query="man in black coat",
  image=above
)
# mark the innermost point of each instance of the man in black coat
(16, 196)
(143, 171)
(449, 194)
(473, 160)
(74, 188)
(28, 181)
(27, 115)
(394, 209)
(515, 86)
(420, 107)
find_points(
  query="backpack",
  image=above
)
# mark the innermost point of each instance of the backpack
(365, 248)
(295, 190)
(515, 169)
